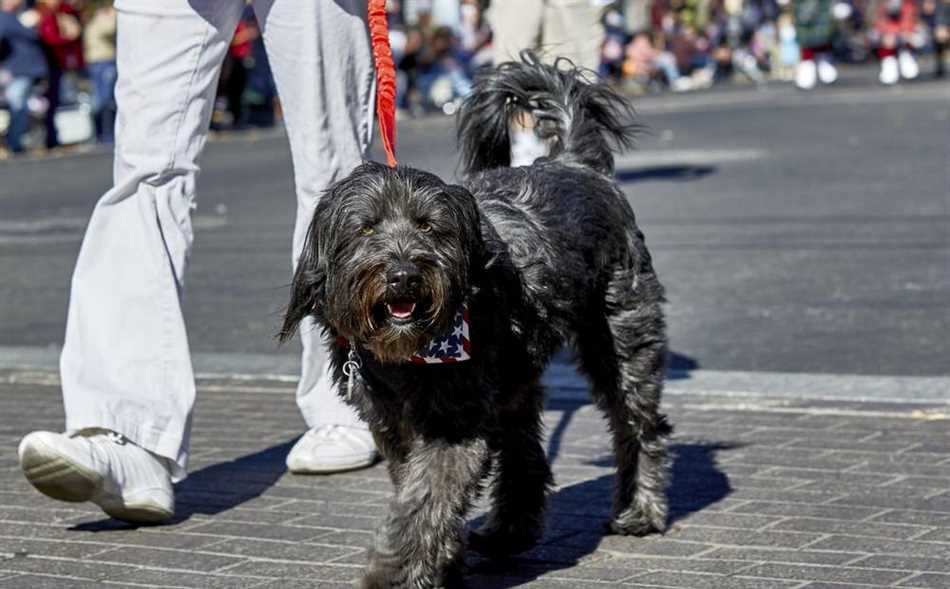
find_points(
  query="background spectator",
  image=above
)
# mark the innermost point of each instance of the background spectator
(60, 32)
(22, 63)
(439, 46)
(99, 47)
(895, 26)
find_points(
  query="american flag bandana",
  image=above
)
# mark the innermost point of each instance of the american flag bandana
(452, 347)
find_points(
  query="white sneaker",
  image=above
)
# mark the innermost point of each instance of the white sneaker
(889, 72)
(101, 466)
(908, 65)
(806, 76)
(827, 72)
(332, 448)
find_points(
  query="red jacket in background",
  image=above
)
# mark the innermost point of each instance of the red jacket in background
(903, 23)
(63, 52)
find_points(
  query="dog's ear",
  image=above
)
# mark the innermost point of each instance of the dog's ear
(470, 225)
(308, 290)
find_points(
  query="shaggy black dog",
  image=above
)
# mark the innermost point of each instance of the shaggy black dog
(534, 257)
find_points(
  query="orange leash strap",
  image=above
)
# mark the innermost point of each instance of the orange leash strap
(385, 77)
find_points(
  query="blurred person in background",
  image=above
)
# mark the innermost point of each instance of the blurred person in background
(938, 19)
(691, 51)
(61, 34)
(640, 68)
(814, 28)
(99, 47)
(895, 25)
(443, 80)
(474, 36)
(787, 51)
(22, 63)
(234, 72)
(260, 94)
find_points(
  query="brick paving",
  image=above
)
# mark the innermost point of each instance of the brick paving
(767, 493)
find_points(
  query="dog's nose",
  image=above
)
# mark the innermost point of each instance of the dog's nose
(404, 277)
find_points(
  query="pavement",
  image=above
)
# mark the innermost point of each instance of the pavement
(804, 240)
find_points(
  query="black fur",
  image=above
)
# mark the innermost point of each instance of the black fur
(543, 256)
(584, 120)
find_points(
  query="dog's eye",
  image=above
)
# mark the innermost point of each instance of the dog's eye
(424, 227)
(367, 230)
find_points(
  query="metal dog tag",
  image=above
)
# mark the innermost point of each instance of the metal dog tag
(350, 368)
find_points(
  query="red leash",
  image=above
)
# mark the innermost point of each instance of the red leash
(385, 77)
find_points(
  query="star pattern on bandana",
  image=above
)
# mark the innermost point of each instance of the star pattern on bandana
(454, 346)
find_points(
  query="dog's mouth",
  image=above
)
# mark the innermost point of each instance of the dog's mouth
(401, 311)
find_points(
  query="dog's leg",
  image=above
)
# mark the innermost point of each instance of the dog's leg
(523, 478)
(622, 348)
(420, 544)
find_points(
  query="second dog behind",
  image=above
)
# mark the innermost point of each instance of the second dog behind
(443, 304)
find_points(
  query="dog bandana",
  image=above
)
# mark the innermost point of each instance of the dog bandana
(454, 346)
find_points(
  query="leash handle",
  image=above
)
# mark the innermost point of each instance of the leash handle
(385, 77)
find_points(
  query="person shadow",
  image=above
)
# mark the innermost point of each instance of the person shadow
(216, 488)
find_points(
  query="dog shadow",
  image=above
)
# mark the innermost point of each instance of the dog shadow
(577, 515)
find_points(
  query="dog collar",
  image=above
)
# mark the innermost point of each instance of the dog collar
(454, 346)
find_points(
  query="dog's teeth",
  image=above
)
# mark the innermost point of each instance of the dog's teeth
(401, 310)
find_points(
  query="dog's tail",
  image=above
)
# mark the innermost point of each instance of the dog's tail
(581, 119)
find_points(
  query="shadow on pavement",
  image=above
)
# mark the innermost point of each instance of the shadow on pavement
(220, 487)
(677, 366)
(676, 173)
(577, 515)
(217, 488)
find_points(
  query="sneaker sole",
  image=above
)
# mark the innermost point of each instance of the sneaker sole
(56, 476)
(143, 512)
(335, 468)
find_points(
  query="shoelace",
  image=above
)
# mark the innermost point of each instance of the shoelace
(116, 438)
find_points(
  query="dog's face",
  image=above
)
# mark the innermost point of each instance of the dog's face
(388, 260)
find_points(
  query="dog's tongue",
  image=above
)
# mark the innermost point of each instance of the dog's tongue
(401, 309)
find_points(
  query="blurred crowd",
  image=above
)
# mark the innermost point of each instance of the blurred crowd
(58, 68)
(688, 44)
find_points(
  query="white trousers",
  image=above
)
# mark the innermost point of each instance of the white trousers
(555, 28)
(125, 363)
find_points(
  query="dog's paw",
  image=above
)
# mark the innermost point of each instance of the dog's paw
(499, 541)
(375, 580)
(635, 522)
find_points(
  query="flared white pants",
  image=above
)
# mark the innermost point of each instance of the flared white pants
(125, 363)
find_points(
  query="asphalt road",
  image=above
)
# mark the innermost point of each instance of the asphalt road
(794, 232)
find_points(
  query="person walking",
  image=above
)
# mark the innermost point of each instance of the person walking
(127, 380)
(99, 49)
(23, 61)
(554, 28)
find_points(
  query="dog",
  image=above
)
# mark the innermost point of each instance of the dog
(443, 304)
